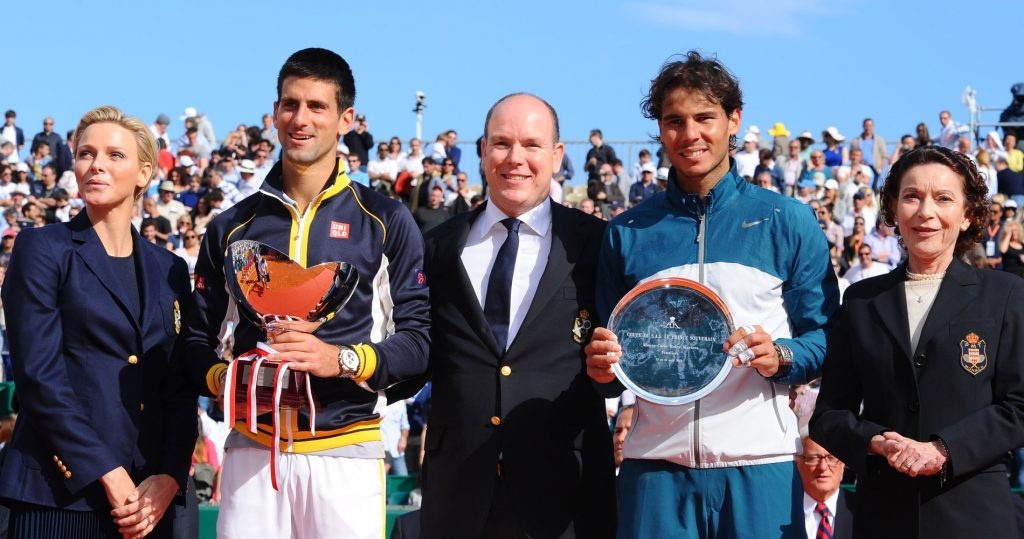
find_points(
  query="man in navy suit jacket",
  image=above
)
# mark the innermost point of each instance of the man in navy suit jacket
(517, 440)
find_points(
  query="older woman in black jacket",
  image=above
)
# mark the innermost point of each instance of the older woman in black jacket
(923, 385)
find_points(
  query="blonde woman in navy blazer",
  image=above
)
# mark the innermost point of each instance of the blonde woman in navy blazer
(106, 430)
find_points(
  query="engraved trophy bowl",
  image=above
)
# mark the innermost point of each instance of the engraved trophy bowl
(671, 331)
(268, 286)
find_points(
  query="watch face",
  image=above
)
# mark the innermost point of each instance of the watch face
(350, 359)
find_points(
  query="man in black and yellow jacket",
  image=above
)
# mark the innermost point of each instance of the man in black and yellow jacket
(331, 482)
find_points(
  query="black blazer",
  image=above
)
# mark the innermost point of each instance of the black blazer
(552, 433)
(931, 392)
(97, 385)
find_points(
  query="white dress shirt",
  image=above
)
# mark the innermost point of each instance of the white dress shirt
(486, 236)
(812, 518)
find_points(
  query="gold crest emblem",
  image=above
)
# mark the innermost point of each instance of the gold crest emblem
(581, 327)
(177, 317)
(973, 357)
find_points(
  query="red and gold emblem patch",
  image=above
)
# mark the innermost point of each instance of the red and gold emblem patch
(972, 354)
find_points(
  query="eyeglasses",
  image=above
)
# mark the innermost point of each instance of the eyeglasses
(353, 161)
(864, 254)
(814, 460)
(190, 236)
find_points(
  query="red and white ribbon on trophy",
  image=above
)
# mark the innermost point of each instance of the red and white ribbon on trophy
(256, 358)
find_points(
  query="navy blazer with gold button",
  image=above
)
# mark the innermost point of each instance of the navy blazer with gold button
(97, 385)
(532, 408)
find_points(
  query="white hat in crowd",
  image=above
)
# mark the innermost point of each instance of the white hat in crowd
(834, 133)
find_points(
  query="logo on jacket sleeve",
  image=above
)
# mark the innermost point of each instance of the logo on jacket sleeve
(581, 327)
(339, 230)
(419, 278)
(972, 354)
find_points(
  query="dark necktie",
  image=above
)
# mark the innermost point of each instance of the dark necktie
(498, 303)
(825, 526)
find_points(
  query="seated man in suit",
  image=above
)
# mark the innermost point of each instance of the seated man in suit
(820, 474)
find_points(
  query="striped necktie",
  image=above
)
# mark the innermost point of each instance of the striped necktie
(825, 526)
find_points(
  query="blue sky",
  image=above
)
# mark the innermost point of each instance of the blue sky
(808, 63)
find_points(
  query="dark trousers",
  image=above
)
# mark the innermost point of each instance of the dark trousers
(502, 522)
(29, 521)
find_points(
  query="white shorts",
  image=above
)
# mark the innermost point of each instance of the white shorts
(318, 497)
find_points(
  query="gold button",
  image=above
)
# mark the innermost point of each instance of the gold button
(55, 459)
(63, 468)
(142, 407)
(495, 421)
(133, 359)
(506, 370)
(67, 475)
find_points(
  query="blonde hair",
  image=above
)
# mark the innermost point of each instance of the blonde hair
(144, 140)
(983, 158)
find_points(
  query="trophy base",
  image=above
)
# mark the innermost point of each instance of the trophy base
(261, 386)
(293, 387)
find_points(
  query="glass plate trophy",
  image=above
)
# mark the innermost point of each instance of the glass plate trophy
(268, 286)
(671, 331)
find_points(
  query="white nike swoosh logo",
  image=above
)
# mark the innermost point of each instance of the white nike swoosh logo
(748, 224)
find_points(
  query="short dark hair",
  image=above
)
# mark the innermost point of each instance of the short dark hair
(705, 75)
(323, 65)
(596, 132)
(554, 115)
(10, 114)
(976, 202)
